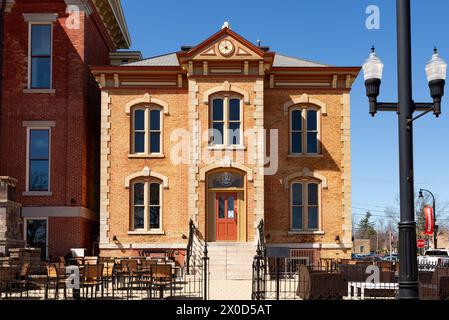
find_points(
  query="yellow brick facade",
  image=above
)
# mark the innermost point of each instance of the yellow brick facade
(184, 92)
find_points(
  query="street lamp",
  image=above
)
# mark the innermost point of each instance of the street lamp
(436, 76)
(372, 71)
(435, 229)
(436, 70)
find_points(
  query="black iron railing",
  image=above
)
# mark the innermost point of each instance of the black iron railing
(260, 265)
(197, 259)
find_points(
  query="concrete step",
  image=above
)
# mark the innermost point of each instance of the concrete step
(231, 261)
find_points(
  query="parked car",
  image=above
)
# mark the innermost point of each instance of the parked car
(391, 258)
(433, 258)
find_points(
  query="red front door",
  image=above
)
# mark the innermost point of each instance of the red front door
(226, 216)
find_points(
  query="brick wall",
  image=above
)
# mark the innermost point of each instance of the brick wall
(74, 107)
(175, 215)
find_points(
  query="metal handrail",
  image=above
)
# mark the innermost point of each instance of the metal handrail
(193, 233)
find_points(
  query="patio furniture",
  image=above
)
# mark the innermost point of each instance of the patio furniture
(317, 285)
(56, 278)
(92, 278)
(438, 287)
(20, 283)
(108, 277)
(354, 287)
(162, 278)
(7, 274)
(130, 275)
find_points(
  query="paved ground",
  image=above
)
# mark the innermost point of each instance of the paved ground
(230, 289)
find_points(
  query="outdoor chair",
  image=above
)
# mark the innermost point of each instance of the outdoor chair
(162, 278)
(130, 275)
(7, 274)
(20, 283)
(92, 278)
(56, 278)
(108, 277)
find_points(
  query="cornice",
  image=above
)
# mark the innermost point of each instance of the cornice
(113, 18)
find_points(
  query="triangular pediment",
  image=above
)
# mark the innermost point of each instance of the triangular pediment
(225, 45)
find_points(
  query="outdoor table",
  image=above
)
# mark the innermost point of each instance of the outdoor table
(353, 288)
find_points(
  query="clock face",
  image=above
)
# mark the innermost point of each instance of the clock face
(226, 47)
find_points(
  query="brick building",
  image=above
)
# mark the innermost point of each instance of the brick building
(182, 138)
(50, 114)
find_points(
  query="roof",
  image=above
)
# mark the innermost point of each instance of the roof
(166, 60)
(286, 61)
(171, 60)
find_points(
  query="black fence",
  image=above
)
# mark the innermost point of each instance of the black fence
(287, 278)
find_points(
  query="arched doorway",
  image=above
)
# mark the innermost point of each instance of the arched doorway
(226, 206)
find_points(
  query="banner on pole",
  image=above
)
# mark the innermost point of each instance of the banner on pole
(430, 226)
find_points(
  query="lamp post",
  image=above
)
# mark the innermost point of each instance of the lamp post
(436, 76)
(435, 228)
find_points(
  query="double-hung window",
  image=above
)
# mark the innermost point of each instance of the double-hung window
(39, 159)
(146, 206)
(40, 56)
(40, 50)
(304, 131)
(147, 131)
(226, 122)
(304, 206)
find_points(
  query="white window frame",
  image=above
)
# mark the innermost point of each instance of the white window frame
(147, 110)
(25, 220)
(146, 203)
(305, 183)
(226, 143)
(304, 130)
(35, 126)
(40, 19)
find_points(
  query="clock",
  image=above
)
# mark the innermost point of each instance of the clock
(226, 47)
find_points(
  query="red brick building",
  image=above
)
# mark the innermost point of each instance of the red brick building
(50, 114)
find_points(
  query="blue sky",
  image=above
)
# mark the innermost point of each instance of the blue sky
(331, 32)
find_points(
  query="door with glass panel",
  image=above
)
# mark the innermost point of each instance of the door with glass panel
(226, 216)
(36, 235)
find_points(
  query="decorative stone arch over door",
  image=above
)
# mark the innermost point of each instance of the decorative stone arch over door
(212, 167)
(226, 182)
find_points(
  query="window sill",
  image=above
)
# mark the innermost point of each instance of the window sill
(305, 156)
(146, 156)
(230, 148)
(312, 233)
(50, 91)
(146, 233)
(37, 194)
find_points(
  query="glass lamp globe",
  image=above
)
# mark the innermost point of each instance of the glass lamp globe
(373, 67)
(436, 68)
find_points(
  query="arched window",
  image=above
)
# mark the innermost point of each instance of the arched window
(146, 212)
(304, 131)
(305, 206)
(147, 131)
(226, 121)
